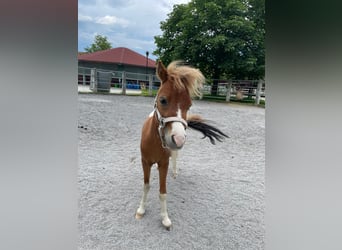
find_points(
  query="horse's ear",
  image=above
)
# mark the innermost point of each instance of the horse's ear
(161, 71)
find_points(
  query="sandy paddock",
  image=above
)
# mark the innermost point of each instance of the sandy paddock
(216, 202)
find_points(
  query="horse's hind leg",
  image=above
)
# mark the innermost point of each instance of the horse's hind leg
(162, 196)
(174, 155)
(147, 171)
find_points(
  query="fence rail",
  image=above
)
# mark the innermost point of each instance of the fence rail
(100, 80)
(103, 80)
(239, 90)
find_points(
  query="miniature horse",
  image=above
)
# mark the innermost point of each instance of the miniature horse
(163, 132)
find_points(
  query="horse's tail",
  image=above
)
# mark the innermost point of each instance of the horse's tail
(198, 123)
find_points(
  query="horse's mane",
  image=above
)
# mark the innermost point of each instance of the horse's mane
(185, 76)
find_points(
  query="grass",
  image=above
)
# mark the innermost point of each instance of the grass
(249, 101)
(144, 92)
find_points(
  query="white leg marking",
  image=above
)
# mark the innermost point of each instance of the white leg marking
(165, 217)
(174, 155)
(141, 209)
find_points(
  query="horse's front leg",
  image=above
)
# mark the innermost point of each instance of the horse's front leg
(147, 171)
(163, 167)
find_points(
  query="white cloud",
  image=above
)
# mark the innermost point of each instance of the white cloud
(84, 18)
(127, 23)
(108, 20)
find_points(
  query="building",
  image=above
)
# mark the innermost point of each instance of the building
(117, 59)
(125, 66)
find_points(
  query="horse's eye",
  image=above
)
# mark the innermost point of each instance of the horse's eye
(163, 101)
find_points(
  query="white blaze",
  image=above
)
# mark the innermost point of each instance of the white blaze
(178, 130)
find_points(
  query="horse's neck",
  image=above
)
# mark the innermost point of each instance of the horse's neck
(154, 123)
(151, 145)
(151, 130)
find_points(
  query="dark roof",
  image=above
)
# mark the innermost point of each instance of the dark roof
(118, 55)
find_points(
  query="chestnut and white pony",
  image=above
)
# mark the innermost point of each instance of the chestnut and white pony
(164, 131)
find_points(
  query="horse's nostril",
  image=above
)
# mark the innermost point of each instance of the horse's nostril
(173, 139)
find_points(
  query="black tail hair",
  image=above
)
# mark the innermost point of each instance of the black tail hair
(207, 130)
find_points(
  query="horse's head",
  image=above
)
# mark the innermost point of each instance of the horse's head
(178, 84)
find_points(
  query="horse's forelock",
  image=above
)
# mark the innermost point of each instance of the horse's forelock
(186, 77)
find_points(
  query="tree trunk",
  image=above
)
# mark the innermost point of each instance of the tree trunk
(214, 87)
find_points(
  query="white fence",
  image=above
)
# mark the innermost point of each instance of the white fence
(239, 90)
(100, 80)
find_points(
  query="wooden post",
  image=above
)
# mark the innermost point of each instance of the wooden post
(150, 85)
(229, 87)
(83, 79)
(93, 79)
(258, 93)
(124, 83)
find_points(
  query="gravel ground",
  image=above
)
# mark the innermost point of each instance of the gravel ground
(216, 202)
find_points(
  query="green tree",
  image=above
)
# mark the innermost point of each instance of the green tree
(256, 14)
(100, 43)
(224, 39)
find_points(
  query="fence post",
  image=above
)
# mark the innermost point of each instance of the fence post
(258, 93)
(83, 79)
(229, 87)
(93, 79)
(150, 85)
(123, 82)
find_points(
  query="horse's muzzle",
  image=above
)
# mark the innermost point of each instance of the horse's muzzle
(176, 137)
(178, 140)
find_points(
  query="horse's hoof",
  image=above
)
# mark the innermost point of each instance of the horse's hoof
(138, 216)
(174, 175)
(167, 227)
(167, 223)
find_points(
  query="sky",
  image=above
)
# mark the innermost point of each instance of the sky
(126, 23)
